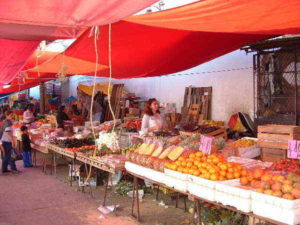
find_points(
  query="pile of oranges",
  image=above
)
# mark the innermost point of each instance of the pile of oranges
(208, 166)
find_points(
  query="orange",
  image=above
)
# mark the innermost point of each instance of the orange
(230, 176)
(222, 178)
(237, 175)
(180, 169)
(244, 181)
(196, 173)
(178, 163)
(223, 167)
(181, 158)
(183, 164)
(209, 160)
(216, 160)
(192, 156)
(207, 176)
(185, 170)
(214, 177)
(230, 170)
(191, 171)
(223, 173)
(244, 173)
(230, 165)
(195, 167)
(240, 167)
(197, 162)
(199, 154)
(212, 170)
(189, 164)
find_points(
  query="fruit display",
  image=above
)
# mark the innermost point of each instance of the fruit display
(206, 129)
(133, 125)
(201, 129)
(73, 142)
(152, 155)
(208, 166)
(277, 185)
(286, 165)
(243, 143)
(84, 149)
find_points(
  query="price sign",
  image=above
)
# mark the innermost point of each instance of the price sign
(205, 144)
(293, 149)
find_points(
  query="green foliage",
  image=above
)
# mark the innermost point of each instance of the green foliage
(214, 216)
(123, 187)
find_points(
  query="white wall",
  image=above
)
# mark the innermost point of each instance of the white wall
(232, 90)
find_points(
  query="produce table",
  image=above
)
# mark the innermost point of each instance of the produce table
(135, 191)
(196, 199)
(84, 159)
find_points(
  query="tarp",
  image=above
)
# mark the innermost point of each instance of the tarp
(35, 20)
(174, 40)
(274, 17)
(13, 57)
(143, 51)
(54, 19)
(102, 87)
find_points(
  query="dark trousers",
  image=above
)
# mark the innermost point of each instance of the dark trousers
(7, 160)
(27, 159)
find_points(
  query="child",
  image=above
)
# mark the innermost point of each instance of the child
(26, 147)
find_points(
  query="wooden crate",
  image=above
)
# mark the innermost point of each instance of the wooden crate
(278, 132)
(273, 154)
(220, 133)
(273, 139)
(277, 136)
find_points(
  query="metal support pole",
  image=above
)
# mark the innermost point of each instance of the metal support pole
(157, 192)
(198, 209)
(137, 198)
(105, 191)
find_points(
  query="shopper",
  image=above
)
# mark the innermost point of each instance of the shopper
(8, 144)
(61, 116)
(26, 147)
(28, 116)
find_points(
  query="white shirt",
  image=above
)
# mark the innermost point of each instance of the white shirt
(5, 136)
(28, 117)
(152, 121)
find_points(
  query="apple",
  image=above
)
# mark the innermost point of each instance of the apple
(258, 173)
(277, 194)
(287, 188)
(276, 187)
(296, 193)
(288, 196)
(268, 192)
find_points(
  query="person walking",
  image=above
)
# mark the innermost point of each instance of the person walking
(8, 144)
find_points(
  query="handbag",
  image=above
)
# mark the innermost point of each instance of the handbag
(16, 155)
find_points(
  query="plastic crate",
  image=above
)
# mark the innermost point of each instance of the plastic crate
(279, 209)
(232, 194)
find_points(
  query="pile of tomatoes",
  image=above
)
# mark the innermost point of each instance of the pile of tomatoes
(86, 147)
(286, 165)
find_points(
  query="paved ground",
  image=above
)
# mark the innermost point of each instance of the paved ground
(33, 198)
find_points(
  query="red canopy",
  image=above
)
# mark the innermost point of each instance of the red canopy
(13, 57)
(49, 20)
(178, 39)
(275, 17)
(35, 20)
